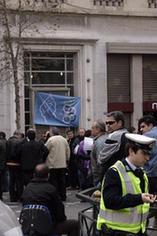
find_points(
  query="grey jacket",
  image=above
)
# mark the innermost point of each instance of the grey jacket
(111, 146)
(97, 147)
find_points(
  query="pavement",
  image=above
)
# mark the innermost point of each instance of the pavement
(73, 206)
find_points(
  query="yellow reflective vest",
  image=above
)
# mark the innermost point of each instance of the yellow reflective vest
(128, 219)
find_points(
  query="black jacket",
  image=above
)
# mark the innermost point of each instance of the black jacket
(11, 147)
(40, 191)
(2, 153)
(31, 153)
(112, 192)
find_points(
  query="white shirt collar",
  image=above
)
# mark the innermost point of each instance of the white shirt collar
(133, 167)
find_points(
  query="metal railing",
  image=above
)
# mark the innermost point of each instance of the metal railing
(88, 216)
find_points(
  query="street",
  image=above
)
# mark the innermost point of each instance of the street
(73, 206)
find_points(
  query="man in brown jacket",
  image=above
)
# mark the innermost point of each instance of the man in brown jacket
(59, 154)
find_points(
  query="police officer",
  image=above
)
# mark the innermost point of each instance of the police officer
(125, 200)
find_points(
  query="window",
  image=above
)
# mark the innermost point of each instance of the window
(118, 78)
(149, 77)
(109, 3)
(152, 3)
(46, 70)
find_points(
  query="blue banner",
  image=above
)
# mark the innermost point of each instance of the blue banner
(56, 110)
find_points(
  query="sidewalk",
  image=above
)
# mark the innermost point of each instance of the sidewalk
(72, 205)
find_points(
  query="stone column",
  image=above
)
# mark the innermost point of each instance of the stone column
(136, 88)
(100, 80)
(87, 86)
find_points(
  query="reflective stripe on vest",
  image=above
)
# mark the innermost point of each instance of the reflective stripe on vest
(125, 217)
(126, 177)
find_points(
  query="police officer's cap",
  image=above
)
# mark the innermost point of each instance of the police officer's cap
(143, 142)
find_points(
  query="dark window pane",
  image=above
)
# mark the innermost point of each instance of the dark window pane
(26, 78)
(27, 107)
(48, 78)
(69, 64)
(26, 64)
(47, 54)
(26, 54)
(70, 79)
(26, 91)
(57, 92)
(70, 55)
(27, 118)
(48, 64)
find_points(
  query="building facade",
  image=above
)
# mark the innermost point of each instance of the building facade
(104, 51)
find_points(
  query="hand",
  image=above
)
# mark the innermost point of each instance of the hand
(148, 198)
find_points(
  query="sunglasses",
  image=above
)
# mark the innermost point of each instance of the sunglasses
(110, 122)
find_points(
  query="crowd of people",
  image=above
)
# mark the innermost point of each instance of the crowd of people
(122, 162)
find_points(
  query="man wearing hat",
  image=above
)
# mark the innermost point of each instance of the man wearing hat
(125, 200)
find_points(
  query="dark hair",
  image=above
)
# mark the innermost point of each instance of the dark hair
(69, 130)
(22, 135)
(41, 171)
(147, 119)
(131, 129)
(117, 115)
(88, 133)
(31, 134)
(2, 134)
(133, 146)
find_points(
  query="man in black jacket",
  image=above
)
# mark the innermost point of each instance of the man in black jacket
(2, 159)
(15, 182)
(30, 152)
(40, 191)
(72, 165)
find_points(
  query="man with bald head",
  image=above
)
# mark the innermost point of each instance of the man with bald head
(40, 191)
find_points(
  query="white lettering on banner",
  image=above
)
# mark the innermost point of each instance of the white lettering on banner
(154, 106)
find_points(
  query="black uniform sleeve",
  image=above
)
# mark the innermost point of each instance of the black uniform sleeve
(112, 193)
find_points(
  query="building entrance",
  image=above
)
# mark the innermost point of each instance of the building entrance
(46, 72)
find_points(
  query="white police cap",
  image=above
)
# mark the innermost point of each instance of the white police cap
(143, 142)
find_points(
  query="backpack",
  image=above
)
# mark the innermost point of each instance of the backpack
(111, 146)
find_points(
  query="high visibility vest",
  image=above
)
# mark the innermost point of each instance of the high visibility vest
(131, 219)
